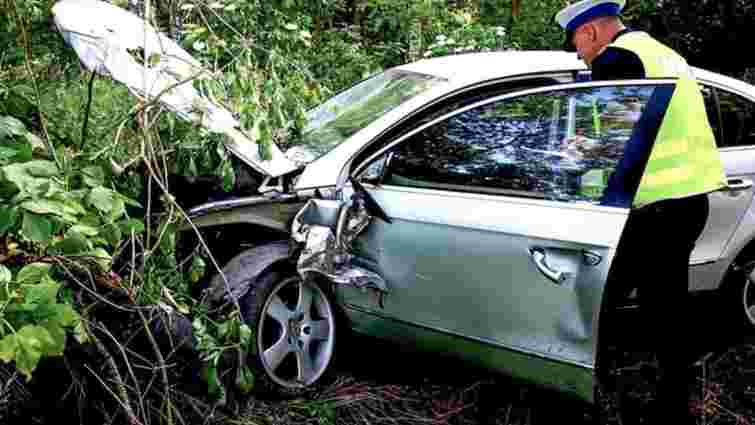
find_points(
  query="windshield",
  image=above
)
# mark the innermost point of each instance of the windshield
(340, 117)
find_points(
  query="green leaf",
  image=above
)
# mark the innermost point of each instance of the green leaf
(39, 168)
(5, 274)
(37, 228)
(224, 330)
(73, 243)
(8, 219)
(127, 226)
(102, 257)
(46, 206)
(16, 151)
(154, 59)
(93, 176)
(128, 201)
(57, 342)
(245, 336)
(244, 379)
(197, 270)
(101, 198)
(10, 126)
(32, 341)
(30, 177)
(6, 154)
(229, 177)
(33, 273)
(8, 348)
(113, 234)
(65, 315)
(80, 333)
(118, 210)
(84, 230)
(215, 388)
(41, 293)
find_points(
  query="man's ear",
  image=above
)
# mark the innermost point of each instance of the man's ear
(592, 32)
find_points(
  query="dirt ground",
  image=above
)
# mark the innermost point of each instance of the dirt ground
(381, 383)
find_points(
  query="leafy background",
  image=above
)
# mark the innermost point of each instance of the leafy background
(88, 209)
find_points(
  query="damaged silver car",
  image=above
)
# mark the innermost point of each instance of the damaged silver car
(456, 205)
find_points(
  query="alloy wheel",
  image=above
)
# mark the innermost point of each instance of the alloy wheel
(296, 333)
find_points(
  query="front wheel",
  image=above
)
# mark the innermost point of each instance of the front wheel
(295, 331)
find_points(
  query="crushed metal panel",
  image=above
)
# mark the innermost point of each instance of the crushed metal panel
(114, 42)
(326, 229)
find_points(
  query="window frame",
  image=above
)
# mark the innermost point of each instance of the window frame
(364, 165)
(508, 85)
(716, 86)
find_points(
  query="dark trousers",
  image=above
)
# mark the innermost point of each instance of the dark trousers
(653, 257)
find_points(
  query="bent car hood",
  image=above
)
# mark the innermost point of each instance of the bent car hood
(109, 40)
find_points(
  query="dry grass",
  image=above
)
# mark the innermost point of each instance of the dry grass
(380, 384)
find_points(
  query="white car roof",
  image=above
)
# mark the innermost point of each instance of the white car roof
(476, 67)
(461, 71)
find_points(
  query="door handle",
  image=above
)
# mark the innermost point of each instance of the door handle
(738, 184)
(539, 258)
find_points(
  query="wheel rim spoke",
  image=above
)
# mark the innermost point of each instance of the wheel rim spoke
(304, 305)
(278, 310)
(274, 355)
(304, 364)
(319, 329)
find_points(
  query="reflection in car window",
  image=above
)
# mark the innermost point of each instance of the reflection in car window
(343, 115)
(560, 145)
(737, 120)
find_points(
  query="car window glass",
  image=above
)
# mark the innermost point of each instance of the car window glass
(558, 145)
(711, 108)
(737, 119)
(460, 100)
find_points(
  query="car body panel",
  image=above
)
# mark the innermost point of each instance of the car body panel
(472, 274)
(462, 263)
(273, 213)
(564, 377)
(727, 207)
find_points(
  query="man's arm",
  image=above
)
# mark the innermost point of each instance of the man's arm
(620, 64)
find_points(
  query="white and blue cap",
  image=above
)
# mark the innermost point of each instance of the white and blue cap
(573, 16)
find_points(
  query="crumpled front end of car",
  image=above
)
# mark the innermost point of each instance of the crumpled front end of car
(325, 230)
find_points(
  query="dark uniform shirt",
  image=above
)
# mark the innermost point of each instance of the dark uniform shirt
(615, 63)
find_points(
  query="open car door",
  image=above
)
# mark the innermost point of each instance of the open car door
(498, 247)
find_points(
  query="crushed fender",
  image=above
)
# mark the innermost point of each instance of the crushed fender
(326, 229)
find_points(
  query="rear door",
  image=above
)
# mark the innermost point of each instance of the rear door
(498, 235)
(732, 117)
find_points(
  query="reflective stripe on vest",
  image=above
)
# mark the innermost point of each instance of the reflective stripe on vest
(684, 160)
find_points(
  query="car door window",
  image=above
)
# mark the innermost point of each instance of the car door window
(460, 100)
(713, 112)
(557, 145)
(737, 120)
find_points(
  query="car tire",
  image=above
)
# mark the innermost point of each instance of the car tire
(738, 295)
(294, 323)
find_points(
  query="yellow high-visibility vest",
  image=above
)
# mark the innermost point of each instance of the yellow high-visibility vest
(684, 160)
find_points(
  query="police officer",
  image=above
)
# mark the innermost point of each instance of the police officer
(669, 165)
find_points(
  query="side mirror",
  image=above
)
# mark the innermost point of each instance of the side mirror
(375, 172)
